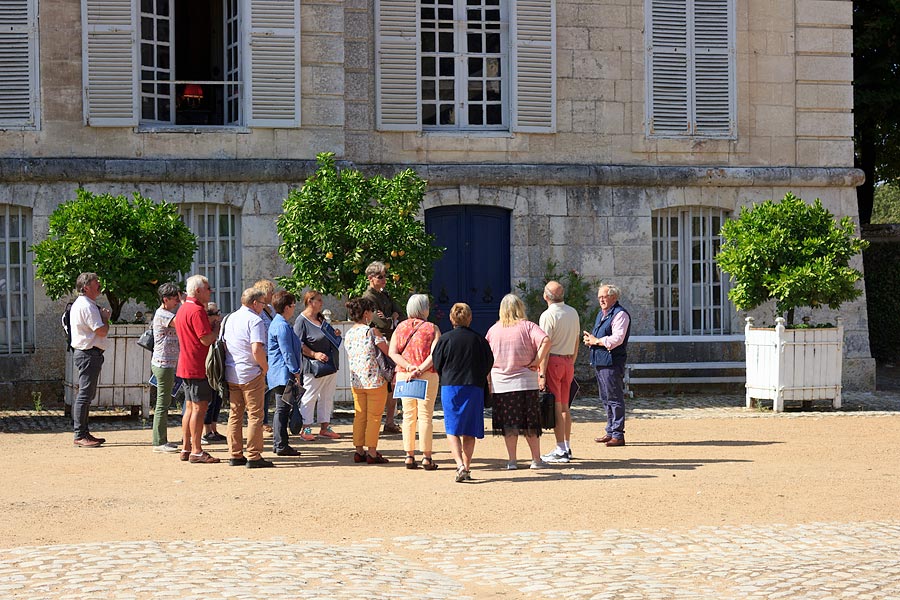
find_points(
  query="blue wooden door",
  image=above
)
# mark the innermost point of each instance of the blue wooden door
(475, 269)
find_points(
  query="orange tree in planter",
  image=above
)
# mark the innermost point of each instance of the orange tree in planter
(341, 220)
(791, 252)
(133, 245)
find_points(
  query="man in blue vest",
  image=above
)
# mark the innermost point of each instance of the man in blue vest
(608, 344)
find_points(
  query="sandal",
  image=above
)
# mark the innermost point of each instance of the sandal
(378, 459)
(411, 463)
(359, 458)
(430, 465)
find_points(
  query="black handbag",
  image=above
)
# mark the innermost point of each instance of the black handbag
(548, 410)
(146, 341)
(321, 369)
(488, 398)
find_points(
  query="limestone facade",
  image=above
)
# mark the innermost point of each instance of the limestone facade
(583, 195)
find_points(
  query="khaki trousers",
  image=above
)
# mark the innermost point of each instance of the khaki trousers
(419, 412)
(247, 397)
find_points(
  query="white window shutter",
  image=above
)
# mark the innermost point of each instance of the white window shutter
(18, 64)
(397, 65)
(667, 68)
(110, 63)
(690, 68)
(272, 63)
(533, 33)
(713, 69)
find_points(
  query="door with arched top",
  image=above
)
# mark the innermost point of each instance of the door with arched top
(475, 268)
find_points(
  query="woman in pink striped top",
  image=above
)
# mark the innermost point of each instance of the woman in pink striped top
(519, 346)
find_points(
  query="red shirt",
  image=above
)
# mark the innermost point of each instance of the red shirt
(192, 323)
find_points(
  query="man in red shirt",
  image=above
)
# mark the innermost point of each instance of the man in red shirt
(195, 334)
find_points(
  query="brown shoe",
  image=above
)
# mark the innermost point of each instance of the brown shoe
(185, 455)
(616, 442)
(391, 428)
(87, 443)
(95, 439)
(205, 457)
(603, 440)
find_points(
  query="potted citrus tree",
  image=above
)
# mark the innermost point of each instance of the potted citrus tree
(795, 255)
(340, 220)
(133, 245)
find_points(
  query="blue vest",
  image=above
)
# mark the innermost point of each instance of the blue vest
(600, 356)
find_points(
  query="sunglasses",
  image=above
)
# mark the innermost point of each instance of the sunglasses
(382, 276)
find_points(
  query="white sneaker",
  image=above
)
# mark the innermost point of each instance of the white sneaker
(166, 448)
(556, 456)
(539, 464)
(511, 466)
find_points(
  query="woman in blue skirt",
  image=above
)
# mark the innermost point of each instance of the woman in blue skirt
(463, 360)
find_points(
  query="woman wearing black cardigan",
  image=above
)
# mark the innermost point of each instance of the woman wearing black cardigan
(463, 360)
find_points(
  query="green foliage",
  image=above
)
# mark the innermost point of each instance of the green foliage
(580, 294)
(132, 245)
(882, 264)
(887, 203)
(791, 252)
(340, 221)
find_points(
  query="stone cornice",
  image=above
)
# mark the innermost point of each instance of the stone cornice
(91, 170)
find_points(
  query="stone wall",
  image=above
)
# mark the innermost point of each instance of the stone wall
(794, 96)
(595, 219)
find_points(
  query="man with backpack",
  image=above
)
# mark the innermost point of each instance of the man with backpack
(88, 328)
(195, 334)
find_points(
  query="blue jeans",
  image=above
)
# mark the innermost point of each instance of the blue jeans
(611, 385)
(280, 420)
(88, 363)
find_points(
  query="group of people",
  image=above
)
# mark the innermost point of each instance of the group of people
(296, 366)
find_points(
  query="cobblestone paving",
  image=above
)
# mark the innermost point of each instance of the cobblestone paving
(818, 560)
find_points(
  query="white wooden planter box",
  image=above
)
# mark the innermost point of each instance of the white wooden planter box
(126, 370)
(793, 364)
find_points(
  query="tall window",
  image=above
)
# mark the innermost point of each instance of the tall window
(690, 68)
(16, 281)
(218, 258)
(197, 63)
(19, 64)
(189, 54)
(463, 64)
(690, 294)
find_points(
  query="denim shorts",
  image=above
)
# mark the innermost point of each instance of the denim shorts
(197, 390)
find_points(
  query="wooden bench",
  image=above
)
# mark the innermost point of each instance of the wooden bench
(685, 373)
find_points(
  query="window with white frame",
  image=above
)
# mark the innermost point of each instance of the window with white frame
(218, 258)
(690, 293)
(463, 63)
(690, 54)
(16, 281)
(19, 102)
(466, 65)
(220, 63)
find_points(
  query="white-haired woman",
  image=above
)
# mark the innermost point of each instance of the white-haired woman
(410, 348)
(519, 346)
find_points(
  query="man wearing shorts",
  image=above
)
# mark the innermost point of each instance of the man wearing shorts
(195, 334)
(561, 323)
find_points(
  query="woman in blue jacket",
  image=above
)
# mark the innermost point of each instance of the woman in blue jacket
(284, 354)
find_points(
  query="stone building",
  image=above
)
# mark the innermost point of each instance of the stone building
(612, 136)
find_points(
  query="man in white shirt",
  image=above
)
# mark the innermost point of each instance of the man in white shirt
(561, 324)
(89, 326)
(246, 365)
